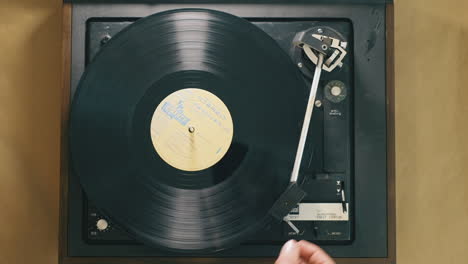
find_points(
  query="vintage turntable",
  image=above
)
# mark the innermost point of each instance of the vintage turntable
(184, 136)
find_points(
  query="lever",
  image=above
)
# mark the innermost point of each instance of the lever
(326, 53)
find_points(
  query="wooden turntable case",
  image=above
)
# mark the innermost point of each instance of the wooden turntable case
(63, 252)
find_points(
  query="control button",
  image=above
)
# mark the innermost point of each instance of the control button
(335, 91)
(102, 224)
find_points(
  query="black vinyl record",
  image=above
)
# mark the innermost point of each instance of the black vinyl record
(210, 207)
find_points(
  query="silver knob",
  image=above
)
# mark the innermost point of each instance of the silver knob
(102, 224)
(335, 90)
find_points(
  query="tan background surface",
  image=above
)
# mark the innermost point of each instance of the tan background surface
(431, 128)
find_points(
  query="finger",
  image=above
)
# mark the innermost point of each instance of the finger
(313, 253)
(289, 254)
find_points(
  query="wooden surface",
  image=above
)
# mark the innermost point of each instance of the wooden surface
(30, 97)
(65, 112)
(432, 131)
(390, 106)
(431, 128)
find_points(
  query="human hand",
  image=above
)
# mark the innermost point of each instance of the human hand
(303, 252)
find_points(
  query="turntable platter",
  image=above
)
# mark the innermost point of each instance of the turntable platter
(184, 129)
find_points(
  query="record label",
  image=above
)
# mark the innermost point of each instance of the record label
(191, 129)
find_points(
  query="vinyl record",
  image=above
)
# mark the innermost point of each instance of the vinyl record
(184, 129)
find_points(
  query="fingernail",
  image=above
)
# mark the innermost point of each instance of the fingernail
(288, 247)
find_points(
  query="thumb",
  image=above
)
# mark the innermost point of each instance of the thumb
(289, 254)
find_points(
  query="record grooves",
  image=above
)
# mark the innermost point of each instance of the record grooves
(187, 211)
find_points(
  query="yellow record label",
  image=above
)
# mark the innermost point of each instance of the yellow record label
(191, 129)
